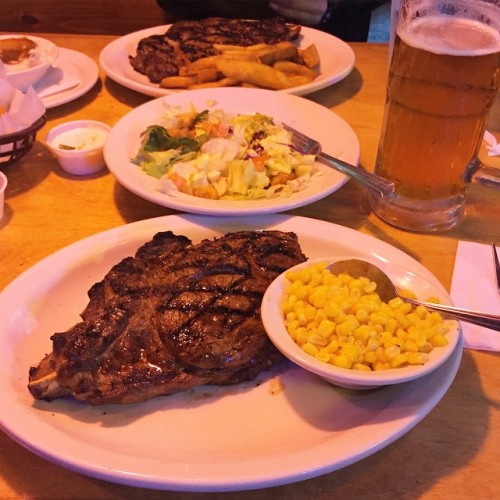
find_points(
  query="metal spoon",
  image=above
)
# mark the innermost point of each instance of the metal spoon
(387, 291)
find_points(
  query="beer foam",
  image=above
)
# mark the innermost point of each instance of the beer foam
(451, 35)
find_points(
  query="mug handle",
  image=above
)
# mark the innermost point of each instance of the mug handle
(480, 173)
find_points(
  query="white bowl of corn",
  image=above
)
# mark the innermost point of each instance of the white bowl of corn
(338, 328)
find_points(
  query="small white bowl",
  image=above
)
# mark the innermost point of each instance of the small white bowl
(32, 69)
(78, 145)
(272, 318)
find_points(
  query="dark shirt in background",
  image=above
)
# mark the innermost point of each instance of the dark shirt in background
(348, 20)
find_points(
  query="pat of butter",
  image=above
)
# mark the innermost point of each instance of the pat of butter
(81, 139)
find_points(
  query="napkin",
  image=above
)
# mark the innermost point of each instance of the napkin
(54, 81)
(492, 146)
(18, 110)
(474, 287)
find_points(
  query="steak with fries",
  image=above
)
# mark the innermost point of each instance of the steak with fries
(158, 56)
(174, 316)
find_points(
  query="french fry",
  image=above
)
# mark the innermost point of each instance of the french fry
(241, 48)
(210, 61)
(223, 82)
(310, 56)
(280, 51)
(253, 72)
(296, 80)
(199, 64)
(299, 69)
(207, 75)
(177, 82)
(241, 55)
(271, 66)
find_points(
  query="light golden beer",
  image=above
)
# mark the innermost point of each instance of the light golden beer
(443, 80)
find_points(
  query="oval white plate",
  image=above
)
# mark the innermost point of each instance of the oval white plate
(404, 279)
(208, 439)
(336, 136)
(337, 60)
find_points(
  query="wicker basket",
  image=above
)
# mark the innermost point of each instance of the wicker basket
(14, 146)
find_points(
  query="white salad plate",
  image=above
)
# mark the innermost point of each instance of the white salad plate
(287, 425)
(336, 136)
(336, 61)
(74, 73)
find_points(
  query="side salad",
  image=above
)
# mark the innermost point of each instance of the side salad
(217, 155)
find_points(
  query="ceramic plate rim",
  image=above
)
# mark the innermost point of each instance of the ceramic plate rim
(296, 111)
(119, 49)
(42, 433)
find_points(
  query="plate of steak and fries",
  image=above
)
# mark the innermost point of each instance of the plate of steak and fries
(217, 52)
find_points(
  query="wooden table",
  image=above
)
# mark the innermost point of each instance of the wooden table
(453, 453)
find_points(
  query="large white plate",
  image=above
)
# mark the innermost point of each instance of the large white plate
(336, 61)
(336, 136)
(77, 67)
(208, 439)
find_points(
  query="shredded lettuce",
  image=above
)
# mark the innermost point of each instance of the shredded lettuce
(219, 155)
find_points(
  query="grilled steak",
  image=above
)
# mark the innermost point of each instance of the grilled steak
(174, 316)
(158, 56)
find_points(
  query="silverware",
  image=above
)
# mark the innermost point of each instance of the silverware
(497, 265)
(387, 291)
(306, 145)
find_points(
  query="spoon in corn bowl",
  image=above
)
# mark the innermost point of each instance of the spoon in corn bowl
(387, 291)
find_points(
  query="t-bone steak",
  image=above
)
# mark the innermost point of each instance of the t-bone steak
(174, 316)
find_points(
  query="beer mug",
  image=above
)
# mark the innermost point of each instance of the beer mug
(442, 82)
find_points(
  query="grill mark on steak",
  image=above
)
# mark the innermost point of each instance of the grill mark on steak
(158, 56)
(174, 316)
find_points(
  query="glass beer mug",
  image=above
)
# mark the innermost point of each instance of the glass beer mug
(442, 83)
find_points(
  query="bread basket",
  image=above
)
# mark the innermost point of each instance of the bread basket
(15, 145)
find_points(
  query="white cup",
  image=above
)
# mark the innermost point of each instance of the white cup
(3, 186)
(78, 145)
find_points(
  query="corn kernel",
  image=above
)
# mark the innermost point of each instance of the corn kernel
(331, 309)
(395, 303)
(417, 358)
(435, 318)
(305, 275)
(301, 316)
(347, 326)
(341, 361)
(378, 318)
(301, 336)
(323, 356)
(392, 351)
(371, 357)
(421, 312)
(317, 340)
(326, 327)
(310, 348)
(351, 351)
(399, 360)
(333, 346)
(411, 346)
(370, 287)
(438, 340)
(361, 367)
(362, 315)
(408, 294)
